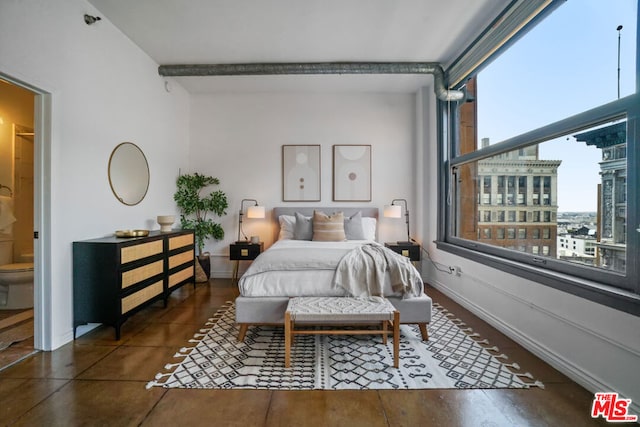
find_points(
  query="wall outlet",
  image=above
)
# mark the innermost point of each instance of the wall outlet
(458, 271)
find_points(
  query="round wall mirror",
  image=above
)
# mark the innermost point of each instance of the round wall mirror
(128, 173)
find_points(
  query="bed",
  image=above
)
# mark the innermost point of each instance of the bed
(294, 268)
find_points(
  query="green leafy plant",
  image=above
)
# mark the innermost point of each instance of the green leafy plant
(195, 207)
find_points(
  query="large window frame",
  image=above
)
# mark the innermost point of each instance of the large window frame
(617, 290)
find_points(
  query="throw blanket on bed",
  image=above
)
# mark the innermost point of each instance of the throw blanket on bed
(361, 272)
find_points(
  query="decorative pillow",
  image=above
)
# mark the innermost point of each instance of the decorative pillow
(353, 227)
(287, 224)
(303, 229)
(369, 228)
(328, 228)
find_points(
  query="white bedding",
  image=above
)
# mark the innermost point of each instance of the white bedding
(295, 268)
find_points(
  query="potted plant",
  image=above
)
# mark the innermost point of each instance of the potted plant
(195, 207)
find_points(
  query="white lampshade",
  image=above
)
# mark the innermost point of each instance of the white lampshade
(255, 212)
(392, 211)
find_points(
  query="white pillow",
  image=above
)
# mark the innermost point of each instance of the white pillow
(369, 228)
(287, 225)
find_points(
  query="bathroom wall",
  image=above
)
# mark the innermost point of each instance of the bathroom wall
(16, 106)
(16, 110)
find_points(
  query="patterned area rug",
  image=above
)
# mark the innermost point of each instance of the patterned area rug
(454, 357)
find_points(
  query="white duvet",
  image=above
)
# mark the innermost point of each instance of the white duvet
(294, 268)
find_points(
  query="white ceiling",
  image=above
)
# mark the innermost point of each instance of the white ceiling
(241, 31)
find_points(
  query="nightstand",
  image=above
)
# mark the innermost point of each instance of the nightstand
(410, 250)
(243, 251)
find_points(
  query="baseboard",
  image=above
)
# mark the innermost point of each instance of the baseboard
(577, 374)
(223, 275)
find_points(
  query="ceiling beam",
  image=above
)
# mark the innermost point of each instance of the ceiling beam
(261, 69)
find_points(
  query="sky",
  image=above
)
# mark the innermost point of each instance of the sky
(566, 65)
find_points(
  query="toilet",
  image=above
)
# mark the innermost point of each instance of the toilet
(16, 279)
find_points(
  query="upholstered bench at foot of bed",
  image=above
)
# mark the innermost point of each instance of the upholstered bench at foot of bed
(270, 311)
(335, 312)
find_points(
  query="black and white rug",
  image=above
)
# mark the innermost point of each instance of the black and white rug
(454, 357)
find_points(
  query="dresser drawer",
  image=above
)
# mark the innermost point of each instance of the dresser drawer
(135, 299)
(181, 258)
(136, 252)
(139, 274)
(180, 241)
(180, 276)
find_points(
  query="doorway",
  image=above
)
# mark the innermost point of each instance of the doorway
(20, 335)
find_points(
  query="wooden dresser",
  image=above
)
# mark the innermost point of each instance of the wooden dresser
(115, 277)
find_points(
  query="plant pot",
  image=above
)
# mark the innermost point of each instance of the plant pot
(205, 262)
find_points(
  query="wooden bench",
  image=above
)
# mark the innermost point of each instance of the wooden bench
(341, 311)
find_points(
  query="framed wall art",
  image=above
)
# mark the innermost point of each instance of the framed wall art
(352, 173)
(301, 173)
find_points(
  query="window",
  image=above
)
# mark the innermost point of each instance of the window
(536, 190)
(500, 233)
(552, 154)
(546, 191)
(486, 190)
(522, 190)
(501, 191)
(522, 216)
(511, 190)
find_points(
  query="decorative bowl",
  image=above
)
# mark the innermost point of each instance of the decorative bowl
(166, 221)
(132, 233)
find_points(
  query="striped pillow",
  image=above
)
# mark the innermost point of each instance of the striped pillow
(328, 228)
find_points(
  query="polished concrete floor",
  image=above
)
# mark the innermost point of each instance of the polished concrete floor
(97, 381)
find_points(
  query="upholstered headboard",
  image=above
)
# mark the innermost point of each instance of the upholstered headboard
(367, 211)
(308, 211)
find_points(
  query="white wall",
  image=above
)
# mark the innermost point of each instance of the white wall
(238, 138)
(595, 345)
(104, 90)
